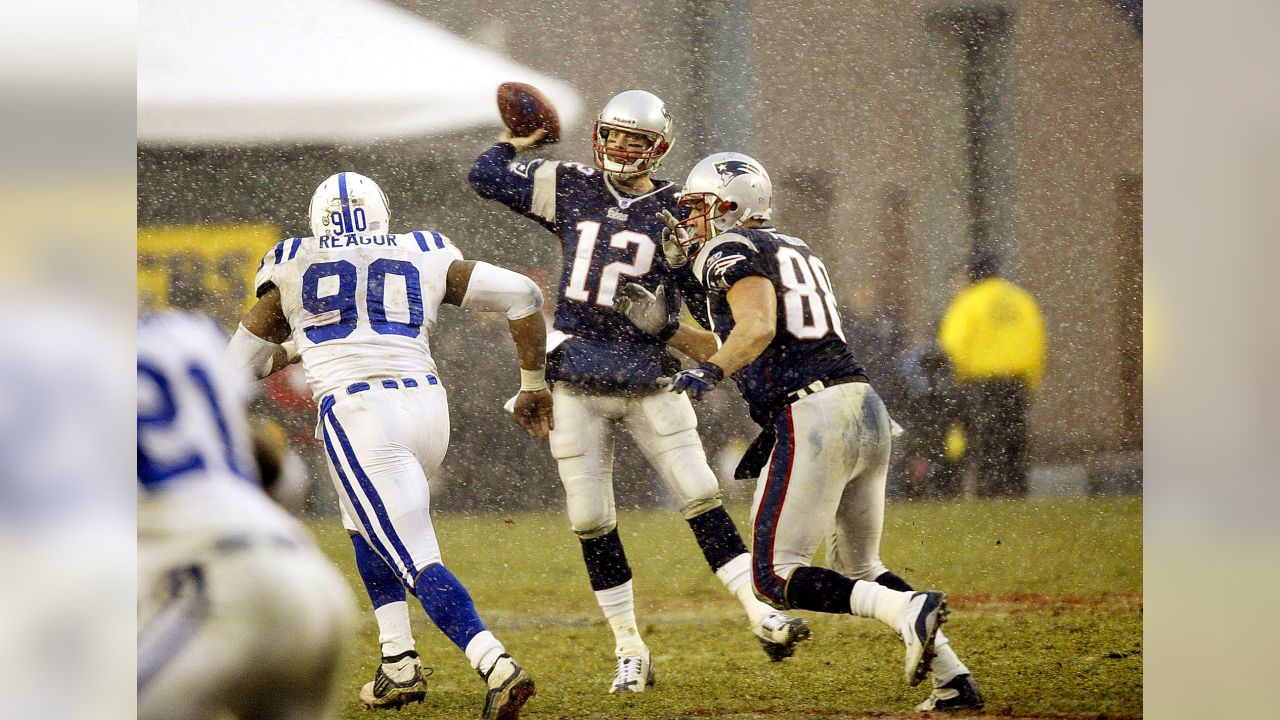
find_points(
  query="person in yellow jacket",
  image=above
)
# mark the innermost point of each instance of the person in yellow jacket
(994, 336)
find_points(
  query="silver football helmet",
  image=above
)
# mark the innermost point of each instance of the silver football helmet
(640, 113)
(734, 187)
(349, 203)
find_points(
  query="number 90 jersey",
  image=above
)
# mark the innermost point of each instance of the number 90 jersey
(606, 238)
(808, 344)
(360, 306)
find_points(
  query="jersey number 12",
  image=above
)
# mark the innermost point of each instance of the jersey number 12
(641, 262)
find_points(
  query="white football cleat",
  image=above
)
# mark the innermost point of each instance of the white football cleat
(926, 611)
(635, 673)
(960, 693)
(779, 634)
(510, 687)
(397, 683)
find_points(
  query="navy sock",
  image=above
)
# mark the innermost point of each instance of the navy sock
(893, 582)
(449, 605)
(717, 536)
(820, 590)
(606, 561)
(380, 580)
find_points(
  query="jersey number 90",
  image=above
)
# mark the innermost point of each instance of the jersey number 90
(343, 301)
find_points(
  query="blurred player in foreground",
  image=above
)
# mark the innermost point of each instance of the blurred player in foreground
(238, 611)
(359, 304)
(827, 433)
(603, 367)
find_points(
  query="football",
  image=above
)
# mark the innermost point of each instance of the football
(524, 109)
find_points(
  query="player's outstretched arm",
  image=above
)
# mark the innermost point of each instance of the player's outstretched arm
(485, 287)
(755, 321)
(257, 342)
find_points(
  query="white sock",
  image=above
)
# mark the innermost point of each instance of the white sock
(736, 576)
(393, 628)
(483, 651)
(619, 606)
(947, 665)
(873, 600)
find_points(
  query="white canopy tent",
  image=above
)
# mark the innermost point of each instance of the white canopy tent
(220, 72)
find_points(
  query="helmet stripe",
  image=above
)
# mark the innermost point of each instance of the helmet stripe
(347, 224)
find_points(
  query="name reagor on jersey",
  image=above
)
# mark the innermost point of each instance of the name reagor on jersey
(360, 306)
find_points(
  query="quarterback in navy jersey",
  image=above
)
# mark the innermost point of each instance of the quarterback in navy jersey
(609, 220)
(775, 328)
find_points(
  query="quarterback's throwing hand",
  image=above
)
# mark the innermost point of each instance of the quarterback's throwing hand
(648, 310)
(533, 412)
(695, 381)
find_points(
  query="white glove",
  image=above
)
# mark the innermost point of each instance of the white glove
(647, 310)
(674, 240)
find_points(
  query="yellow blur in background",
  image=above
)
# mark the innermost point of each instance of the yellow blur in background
(206, 267)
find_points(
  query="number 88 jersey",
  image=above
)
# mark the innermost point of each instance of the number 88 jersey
(361, 305)
(809, 343)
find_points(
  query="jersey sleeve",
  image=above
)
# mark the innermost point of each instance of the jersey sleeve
(283, 251)
(526, 187)
(731, 259)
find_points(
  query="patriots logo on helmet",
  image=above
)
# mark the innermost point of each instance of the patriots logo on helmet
(730, 169)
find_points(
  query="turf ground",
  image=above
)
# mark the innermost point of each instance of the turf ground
(1046, 602)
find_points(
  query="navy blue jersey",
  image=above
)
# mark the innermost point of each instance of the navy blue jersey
(809, 343)
(607, 238)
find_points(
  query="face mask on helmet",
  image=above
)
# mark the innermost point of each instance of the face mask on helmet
(349, 203)
(641, 115)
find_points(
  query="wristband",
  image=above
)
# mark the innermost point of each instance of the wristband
(667, 332)
(533, 380)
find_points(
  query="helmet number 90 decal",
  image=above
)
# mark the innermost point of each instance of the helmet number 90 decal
(358, 222)
(808, 301)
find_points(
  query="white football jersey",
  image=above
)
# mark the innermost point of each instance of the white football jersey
(196, 472)
(360, 306)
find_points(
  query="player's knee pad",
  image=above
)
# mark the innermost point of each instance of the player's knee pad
(588, 496)
(592, 533)
(687, 472)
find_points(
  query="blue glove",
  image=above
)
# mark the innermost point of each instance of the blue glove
(695, 381)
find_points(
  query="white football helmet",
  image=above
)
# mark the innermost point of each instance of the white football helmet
(638, 112)
(349, 203)
(734, 187)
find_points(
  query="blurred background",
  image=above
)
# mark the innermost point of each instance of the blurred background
(900, 136)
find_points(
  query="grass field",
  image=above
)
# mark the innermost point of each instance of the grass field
(1046, 604)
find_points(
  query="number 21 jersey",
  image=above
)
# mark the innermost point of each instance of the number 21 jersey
(360, 306)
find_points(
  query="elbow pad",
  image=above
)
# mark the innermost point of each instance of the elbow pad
(496, 289)
(252, 352)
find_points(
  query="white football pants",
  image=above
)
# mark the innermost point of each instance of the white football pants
(255, 626)
(664, 427)
(824, 481)
(382, 444)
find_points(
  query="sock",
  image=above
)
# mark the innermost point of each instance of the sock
(718, 537)
(387, 595)
(736, 576)
(606, 561)
(819, 589)
(483, 651)
(618, 604)
(893, 582)
(870, 599)
(946, 665)
(449, 605)
(394, 634)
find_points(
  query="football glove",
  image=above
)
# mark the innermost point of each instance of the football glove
(675, 240)
(648, 310)
(694, 381)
